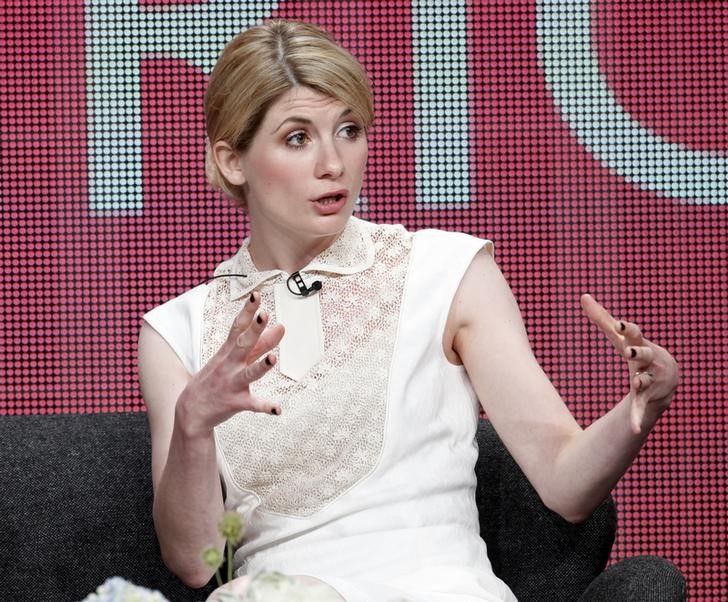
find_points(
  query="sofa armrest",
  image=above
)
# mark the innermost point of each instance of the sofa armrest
(76, 507)
(638, 579)
(535, 551)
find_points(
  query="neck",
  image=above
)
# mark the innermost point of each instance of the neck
(288, 255)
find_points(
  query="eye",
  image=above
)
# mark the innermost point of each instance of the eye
(296, 139)
(350, 131)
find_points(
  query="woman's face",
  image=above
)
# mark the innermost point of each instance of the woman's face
(303, 170)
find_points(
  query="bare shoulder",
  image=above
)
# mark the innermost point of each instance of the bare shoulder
(482, 303)
(160, 369)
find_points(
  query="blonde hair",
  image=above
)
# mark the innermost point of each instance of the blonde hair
(260, 65)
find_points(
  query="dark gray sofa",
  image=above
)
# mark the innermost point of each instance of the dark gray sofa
(76, 509)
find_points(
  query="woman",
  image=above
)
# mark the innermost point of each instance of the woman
(331, 374)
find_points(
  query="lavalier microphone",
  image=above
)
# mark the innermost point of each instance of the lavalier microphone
(303, 290)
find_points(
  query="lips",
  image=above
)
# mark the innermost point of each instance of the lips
(331, 203)
(330, 198)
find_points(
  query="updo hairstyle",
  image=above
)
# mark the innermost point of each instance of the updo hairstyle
(260, 65)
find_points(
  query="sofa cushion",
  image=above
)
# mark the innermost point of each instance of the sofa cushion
(76, 507)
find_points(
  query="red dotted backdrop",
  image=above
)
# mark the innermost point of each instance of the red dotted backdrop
(587, 139)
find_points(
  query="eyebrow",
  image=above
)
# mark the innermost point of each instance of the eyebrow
(306, 120)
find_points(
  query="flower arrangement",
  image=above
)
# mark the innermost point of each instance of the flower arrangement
(277, 587)
(116, 589)
(265, 587)
(231, 527)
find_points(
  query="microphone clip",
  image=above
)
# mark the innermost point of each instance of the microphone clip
(302, 289)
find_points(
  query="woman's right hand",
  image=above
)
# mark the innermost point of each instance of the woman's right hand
(222, 387)
(183, 409)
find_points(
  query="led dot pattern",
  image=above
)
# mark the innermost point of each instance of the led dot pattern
(588, 139)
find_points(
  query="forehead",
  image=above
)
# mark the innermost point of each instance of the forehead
(304, 102)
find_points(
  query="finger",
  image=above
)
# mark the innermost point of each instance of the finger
(248, 339)
(641, 355)
(263, 406)
(245, 316)
(602, 319)
(631, 332)
(643, 379)
(637, 413)
(253, 372)
(269, 338)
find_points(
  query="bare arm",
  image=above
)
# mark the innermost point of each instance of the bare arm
(572, 469)
(183, 411)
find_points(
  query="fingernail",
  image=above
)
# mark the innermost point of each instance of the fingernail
(622, 326)
(633, 352)
(274, 411)
(252, 297)
(259, 320)
(267, 360)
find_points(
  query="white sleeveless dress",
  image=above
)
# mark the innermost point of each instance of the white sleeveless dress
(366, 480)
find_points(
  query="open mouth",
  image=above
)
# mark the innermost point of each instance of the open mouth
(329, 200)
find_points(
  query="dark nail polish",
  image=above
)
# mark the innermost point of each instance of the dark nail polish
(274, 411)
(267, 360)
(252, 297)
(259, 320)
(622, 326)
(633, 353)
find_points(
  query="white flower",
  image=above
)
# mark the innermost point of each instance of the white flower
(116, 589)
(277, 587)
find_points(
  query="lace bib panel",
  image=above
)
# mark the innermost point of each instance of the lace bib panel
(331, 430)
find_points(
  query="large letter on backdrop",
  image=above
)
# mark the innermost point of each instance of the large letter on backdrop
(118, 34)
(440, 103)
(626, 146)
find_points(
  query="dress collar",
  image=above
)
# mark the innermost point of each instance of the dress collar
(350, 253)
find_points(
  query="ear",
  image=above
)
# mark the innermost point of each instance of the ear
(229, 162)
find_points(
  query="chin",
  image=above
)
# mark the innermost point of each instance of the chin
(335, 225)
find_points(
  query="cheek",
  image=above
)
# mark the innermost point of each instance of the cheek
(281, 172)
(359, 159)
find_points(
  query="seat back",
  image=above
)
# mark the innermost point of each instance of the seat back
(77, 507)
(535, 551)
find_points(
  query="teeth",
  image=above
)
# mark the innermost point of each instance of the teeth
(328, 200)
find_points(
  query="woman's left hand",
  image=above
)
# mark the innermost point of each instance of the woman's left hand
(653, 371)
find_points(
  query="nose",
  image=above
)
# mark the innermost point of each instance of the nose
(329, 163)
